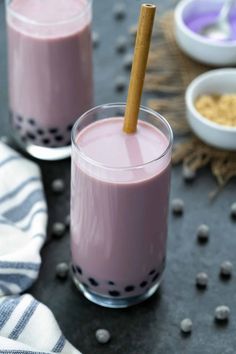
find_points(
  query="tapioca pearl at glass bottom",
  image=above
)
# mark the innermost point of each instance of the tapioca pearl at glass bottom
(53, 130)
(143, 284)
(93, 282)
(31, 121)
(30, 131)
(40, 132)
(18, 117)
(77, 269)
(69, 127)
(156, 276)
(114, 289)
(114, 293)
(40, 138)
(110, 283)
(30, 136)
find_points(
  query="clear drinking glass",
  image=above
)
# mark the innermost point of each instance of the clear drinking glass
(50, 72)
(119, 217)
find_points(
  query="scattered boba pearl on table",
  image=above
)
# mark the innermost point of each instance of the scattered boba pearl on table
(103, 336)
(95, 39)
(186, 326)
(233, 211)
(177, 206)
(128, 61)
(226, 269)
(202, 280)
(62, 270)
(222, 313)
(119, 11)
(58, 186)
(120, 83)
(203, 232)
(188, 174)
(121, 44)
(58, 229)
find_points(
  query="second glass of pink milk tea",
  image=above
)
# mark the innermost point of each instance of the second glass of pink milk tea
(119, 205)
(50, 72)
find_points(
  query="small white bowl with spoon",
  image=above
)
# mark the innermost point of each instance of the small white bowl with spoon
(206, 30)
(214, 82)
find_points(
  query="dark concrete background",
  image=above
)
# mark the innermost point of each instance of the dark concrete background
(152, 327)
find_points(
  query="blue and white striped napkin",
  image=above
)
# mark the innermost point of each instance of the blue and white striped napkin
(26, 326)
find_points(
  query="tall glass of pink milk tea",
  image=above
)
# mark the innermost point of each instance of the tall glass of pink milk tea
(50, 72)
(119, 205)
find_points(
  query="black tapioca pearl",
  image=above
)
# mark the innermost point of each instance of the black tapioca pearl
(19, 118)
(69, 127)
(39, 131)
(31, 121)
(68, 143)
(129, 288)
(152, 272)
(155, 277)
(30, 136)
(111, 283)
(79, 270)
(143, 284)
(18, 126)
(46, 141)
(58, 138)
(114, 293)
(93, 282)
(53, 130)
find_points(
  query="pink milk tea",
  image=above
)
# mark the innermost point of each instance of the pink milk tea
(50, 68)
(118, 210)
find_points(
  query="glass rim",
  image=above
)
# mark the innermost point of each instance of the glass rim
(41, 23)
(120, 168)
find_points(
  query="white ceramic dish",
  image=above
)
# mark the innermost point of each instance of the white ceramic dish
(215, 81)
(196, 46)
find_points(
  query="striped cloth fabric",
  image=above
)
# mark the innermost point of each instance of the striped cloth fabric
(26, 326)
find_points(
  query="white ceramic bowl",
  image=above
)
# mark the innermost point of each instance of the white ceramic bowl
(215, 81)
(196, 46)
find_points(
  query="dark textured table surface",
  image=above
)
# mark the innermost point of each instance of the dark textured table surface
(152, 327)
